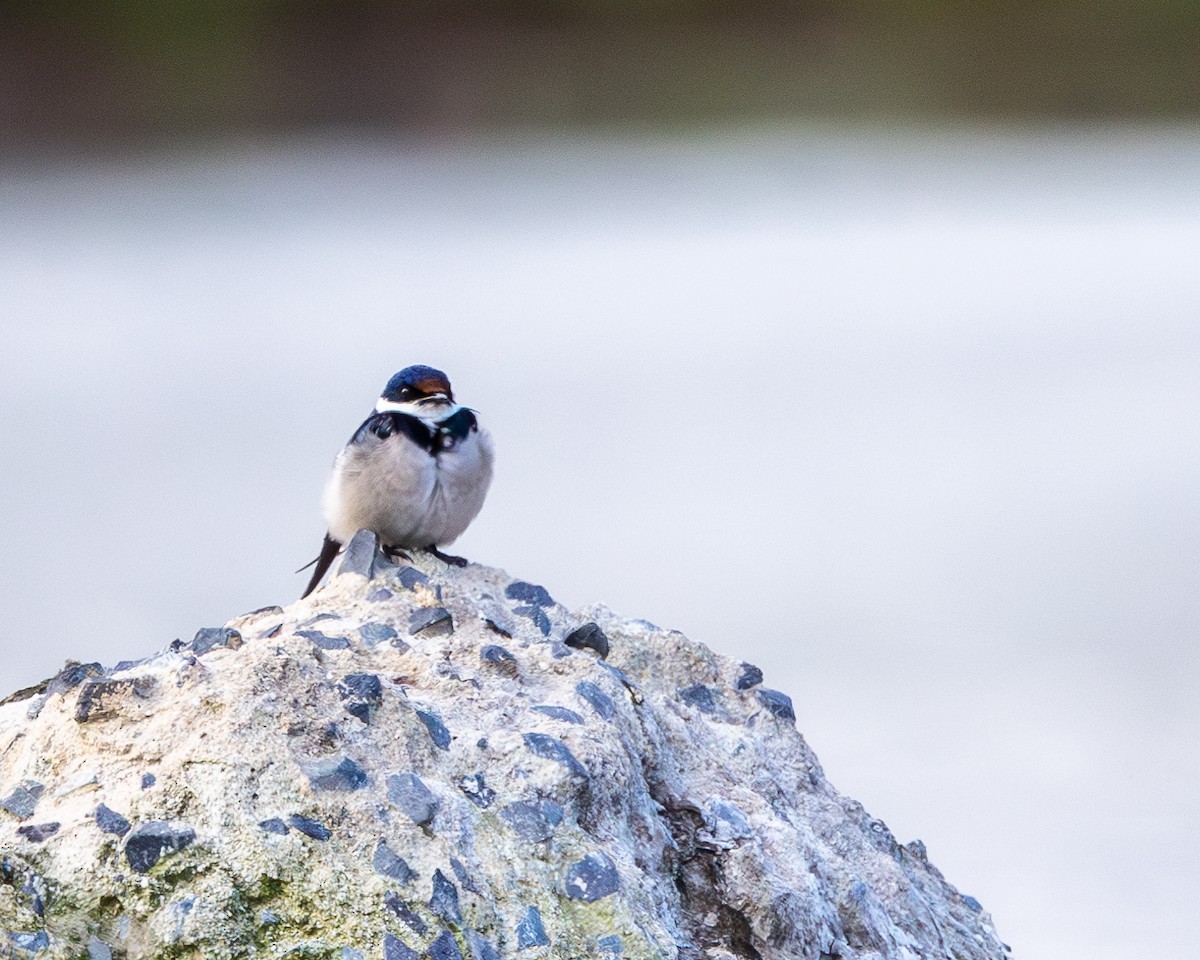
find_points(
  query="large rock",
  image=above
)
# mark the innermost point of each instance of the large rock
(412, 762)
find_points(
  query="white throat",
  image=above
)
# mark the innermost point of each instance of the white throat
(430, 412)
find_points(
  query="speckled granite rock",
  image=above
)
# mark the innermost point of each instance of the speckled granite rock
(412, 763)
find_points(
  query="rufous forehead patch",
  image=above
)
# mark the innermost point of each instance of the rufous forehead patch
(433, 385)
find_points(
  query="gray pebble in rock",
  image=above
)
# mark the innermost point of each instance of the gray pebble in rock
(393, 902)
(396, 949)
(353, 953)
(109, 821)
(464, 878)
(72, 675)
(610, 947)
(480, 948)
(98, 950)
(375, 596)
(533, 821)
(154, 840)
(23, 800)
(444, 901)
(101, 699)
(726, 823)
(375, 633)
(780, 704)
(972, 904)
(410, 577)
(551, 748)
(268, 918)
(148, 780)
(477, 790)
(324, 640)
(592, 878)
(431, 622)
(412, 797)
(699, 696)
(500, 658)
(601, 702)
(438, 732)
(359, 555)
(34, 888)
(319, 618)
(335, 773)
(444, 947)
(750, 676)
(38, 832)
(531, 932)
(207, 638)
(537, 615)
(273, 825)
(31, 942)
(530, 593)
(390, 864)
(588, 637)
(558, 713)
(361, 686)
(309, 827)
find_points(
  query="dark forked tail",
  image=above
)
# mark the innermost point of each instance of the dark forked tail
(329, 550)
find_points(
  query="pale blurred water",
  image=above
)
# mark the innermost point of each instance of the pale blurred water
(909, 418)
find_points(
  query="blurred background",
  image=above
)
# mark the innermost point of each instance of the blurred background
(858, 340)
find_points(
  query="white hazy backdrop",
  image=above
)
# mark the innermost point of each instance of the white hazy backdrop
(909, 418)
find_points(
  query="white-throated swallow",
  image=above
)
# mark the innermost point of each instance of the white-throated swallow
(415, 473)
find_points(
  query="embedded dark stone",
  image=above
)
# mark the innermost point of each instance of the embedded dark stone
(972, 904)
(464, 878)
(392, 901)
(101, 699)
(533, 821)
(32, 942)
(750, 676)
(310, 828)
(23, 800)
(444, 947)
(376, 633)
(500, 658)
(396, 949)
(359, 555)
(699, 696)
(592, 878)
(444, 902)
(537, 615)
(154, 840)
(364, 693)
(727, 823)
(38, 832)
(558, 713)
(610, 946)
(431, 621)
(273, 632)
(72, 675)
(390, 864)
(148, 780)
(530, 930)
(335, 773)
(480, 948)
(601, 702)
(263, 611)
(130, 664)
(375, 596)
(477, 790)
(437, 730)
(34, 888)
(318, 618)
(590, 637)
(780, 704)
(324, 641)
(529, 593)
(554, 749)
(273, 825)
(415, 800)
(207, 638)
(410, 577)
(109, 821)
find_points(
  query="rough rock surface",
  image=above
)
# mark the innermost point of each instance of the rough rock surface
(412, 763)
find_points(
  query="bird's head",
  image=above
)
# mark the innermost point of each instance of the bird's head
(418, 390)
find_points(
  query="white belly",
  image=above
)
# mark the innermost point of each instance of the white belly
(404, 495)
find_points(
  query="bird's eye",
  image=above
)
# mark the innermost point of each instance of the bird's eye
(407, 393)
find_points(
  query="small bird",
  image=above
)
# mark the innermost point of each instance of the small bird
(415, 473)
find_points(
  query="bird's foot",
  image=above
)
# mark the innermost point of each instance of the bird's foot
(448, 558)
(395, 553)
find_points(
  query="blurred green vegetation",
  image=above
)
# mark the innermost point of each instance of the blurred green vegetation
(111, 68)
